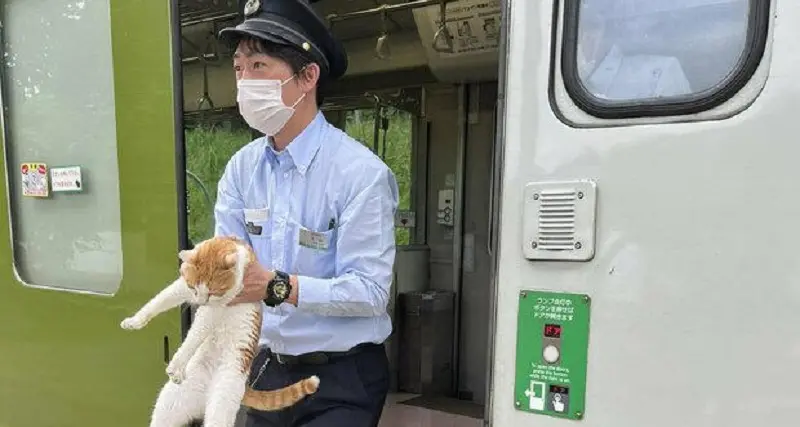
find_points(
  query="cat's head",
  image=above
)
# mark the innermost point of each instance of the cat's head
(214, 268)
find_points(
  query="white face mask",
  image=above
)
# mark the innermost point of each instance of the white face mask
(261, 104)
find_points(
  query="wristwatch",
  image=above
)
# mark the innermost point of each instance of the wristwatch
(278, 289)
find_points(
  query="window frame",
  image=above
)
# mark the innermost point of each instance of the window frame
(758, 30)
(416, 234)
(149, 242)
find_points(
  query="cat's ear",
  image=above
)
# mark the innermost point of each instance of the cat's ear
(230, 260)
(185, 255)
(188, 272)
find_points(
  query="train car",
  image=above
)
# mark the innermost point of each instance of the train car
(584, 185)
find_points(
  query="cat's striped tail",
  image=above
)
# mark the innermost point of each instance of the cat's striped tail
(274, 400)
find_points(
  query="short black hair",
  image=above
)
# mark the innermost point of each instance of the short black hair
(296, 59)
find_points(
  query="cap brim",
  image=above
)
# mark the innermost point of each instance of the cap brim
(277, 34)
(232, 35)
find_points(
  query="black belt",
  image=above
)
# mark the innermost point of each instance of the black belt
(317, 357)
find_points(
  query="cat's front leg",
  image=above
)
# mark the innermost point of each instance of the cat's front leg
(170, 297)
(198, 333)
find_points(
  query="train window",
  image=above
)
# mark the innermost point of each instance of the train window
(58, 99)
(392, 141)
(634, 58)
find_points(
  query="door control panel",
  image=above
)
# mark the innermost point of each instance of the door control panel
(551, 344)
(444, 214)
(552, 353)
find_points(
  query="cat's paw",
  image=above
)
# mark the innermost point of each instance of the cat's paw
(176, 373)
(133, 323)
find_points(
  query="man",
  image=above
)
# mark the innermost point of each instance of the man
(318, 209)
(608, 72)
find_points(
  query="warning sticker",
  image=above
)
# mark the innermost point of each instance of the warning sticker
(34, 179)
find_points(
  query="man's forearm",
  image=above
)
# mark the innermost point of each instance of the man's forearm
(349, 295)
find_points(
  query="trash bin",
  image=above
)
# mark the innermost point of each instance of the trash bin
(425, 347)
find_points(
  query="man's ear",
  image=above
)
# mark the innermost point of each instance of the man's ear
(309, 77)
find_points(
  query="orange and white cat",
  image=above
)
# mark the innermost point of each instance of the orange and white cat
(208, 373)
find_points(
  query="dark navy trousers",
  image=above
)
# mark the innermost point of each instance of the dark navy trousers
(351, 393)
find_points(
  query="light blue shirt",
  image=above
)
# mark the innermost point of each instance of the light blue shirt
(323, 178)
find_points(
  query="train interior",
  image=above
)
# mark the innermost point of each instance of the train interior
(424, 97)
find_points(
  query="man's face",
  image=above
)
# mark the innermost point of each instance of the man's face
(249, 64)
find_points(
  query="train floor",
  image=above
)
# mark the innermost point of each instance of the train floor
(411, 410)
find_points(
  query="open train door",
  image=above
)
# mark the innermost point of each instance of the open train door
(90, 125)
(647, 268)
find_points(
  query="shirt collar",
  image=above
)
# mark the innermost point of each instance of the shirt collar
(305, 146)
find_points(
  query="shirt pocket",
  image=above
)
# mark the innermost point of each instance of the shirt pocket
(256, 222)
(314, 252)
(257, 229)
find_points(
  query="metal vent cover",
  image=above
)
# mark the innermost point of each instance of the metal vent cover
(559, 220)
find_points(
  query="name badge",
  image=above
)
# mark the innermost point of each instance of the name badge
(313, 239)
(256, 215)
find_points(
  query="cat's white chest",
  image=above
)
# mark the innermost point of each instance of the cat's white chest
(231, 325)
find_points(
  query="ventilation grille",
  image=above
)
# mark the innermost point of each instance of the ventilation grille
(557, 220)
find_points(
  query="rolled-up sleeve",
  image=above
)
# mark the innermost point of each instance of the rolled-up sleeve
(365, 252)
(229, 207)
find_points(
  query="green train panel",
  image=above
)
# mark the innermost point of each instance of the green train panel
(89, 130)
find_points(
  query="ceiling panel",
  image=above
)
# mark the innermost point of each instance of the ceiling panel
(199, 9)
(370, 26)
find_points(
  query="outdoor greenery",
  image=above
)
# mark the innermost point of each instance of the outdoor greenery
(208, 149)
(210, 146)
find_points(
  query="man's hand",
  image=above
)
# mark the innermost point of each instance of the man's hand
(256, 278)
(255, 281)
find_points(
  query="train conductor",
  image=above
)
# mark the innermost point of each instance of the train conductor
(318, 209)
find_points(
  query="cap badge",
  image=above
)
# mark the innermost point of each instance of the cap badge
(251, 7)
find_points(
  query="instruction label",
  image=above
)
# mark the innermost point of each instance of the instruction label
(34, 179)
(66, 179)
(405, 219)
(552, 353)
(473, 24)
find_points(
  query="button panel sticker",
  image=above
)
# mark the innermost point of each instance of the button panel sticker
(552, 353)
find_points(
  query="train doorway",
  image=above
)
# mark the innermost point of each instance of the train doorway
(423, 96)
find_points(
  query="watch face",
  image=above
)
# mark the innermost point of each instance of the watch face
(280, 290)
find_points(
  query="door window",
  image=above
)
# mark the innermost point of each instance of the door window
(626, 58)
(59, 112)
